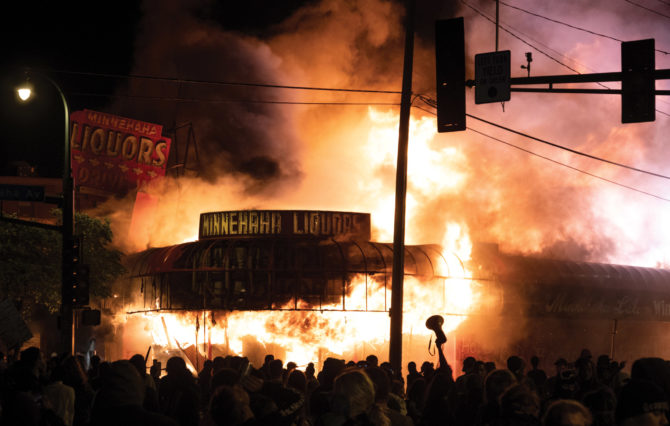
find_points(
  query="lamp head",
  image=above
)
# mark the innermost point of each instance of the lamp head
(25, 91)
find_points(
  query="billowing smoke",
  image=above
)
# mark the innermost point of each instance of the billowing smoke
(309, 156)
(282, 148)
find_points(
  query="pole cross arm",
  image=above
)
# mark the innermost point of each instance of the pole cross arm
(663, 74)
(590, 91)
(582, 78)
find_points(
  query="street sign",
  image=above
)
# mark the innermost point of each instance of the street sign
(21, 193)
(492, 77)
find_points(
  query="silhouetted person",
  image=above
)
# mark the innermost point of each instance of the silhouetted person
(74, 376)
(427, 371)
(266, 365)
(382, 384)
(517, 366)
(538, 376)
(642, 403)
(602, 404)
(495, 384)
(119, 401)
(151, 390)
(178, 394)
(412, 374)
(436, 411)
(289, 402)
(229, 406)
(353, 402)
(372, 360)
(60, 397)
(519, 406)
(218, 363)
(312, 382)
(320, 399)
(22, 402)
(567, 412)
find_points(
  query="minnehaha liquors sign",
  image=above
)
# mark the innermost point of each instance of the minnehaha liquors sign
(115, 154)
(283, 223)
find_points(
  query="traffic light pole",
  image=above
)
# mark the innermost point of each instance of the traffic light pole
(398, 272)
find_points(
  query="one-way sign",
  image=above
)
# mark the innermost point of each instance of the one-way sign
(21, 193)
(492, 73)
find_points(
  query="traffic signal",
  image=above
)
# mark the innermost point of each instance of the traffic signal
(638, 85)
(80, 292)
(450, 74)
(76, 274)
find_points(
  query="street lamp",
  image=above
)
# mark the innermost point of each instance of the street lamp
(25, 92)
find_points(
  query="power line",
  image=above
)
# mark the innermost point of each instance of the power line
(433, 103)
(227, 101)
(559, 163)
(222, 83)
(565, 148)
(570, 25)
(648, 9)
(539, 50)
(520, 39)
(569, 167)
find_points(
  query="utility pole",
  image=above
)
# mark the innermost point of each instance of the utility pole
(398, 273)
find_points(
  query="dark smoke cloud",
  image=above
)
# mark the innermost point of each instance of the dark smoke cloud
(235, 134)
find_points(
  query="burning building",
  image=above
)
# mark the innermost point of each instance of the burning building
(311, 280)
(305, 285)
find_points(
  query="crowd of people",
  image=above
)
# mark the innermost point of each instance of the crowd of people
(74, 391)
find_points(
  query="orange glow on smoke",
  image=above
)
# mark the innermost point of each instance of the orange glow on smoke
(311, 336)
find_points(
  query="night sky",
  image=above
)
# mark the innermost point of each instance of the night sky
(89, 37)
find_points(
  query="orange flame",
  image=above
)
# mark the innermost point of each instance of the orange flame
(360, 325)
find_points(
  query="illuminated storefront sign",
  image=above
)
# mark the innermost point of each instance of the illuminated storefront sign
(296, 223)
(115, 154)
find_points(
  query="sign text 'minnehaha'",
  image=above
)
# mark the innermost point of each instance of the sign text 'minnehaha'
(293, 223)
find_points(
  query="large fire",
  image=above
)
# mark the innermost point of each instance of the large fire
(361, 326)
(310, 336)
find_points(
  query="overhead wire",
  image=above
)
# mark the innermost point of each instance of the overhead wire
(565, 148)
(230, 101)
(560, 163)
(482, 14)
(223, 83)
(648, 9)
(433, 103)
(519, 38)
(569, 25)
(570, 167)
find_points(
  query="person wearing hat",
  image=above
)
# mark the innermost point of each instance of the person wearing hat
(641, 403)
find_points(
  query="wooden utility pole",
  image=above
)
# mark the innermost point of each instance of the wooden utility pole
(395, 341)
